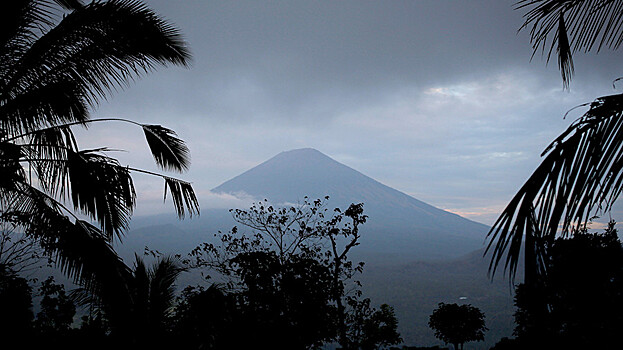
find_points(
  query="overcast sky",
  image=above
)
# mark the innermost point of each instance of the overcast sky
(438, 99)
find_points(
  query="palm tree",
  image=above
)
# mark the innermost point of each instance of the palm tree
(153, 292)
(58, 59)
(581, 173)
(139, 305)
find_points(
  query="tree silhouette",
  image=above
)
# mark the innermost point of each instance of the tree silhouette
(285, 304)
(57, 60)
(580, 175)
(291, 276)
(18, 252)
(457, 324)
(582, 292)
(207, 318)
(369, 328)
(153, 295)
(381, 329)
(139, 306)
(16, 304)
(57, 309)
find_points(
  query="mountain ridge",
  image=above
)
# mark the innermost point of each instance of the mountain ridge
(414, 225)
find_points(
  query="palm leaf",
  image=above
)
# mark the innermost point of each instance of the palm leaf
(79, 249)
(47, 152)
(98, 47)
(101, 271)
(58, 58)
(20, 21)
(162, 288)
(139, 287)
(183, 196)
(168, 150)
(580, 176)
(69, 4)
(11, 171)
(589, 25)
(65, 240)
(44, 106)
(102, 189)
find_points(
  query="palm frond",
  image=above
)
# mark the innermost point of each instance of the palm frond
(183, 196)
(565, 59)
(168, 150)
(139, 287)
(20, 22)
(65, 240)
(47, 153)
(58, 58)
(589, 24)
(69, 243)
(100, 271)
(99, 47)
(44, 106)
(11, 171)
(79, 249)
(162, 288)
(102, 189)
(82, 297)
(69, 4)
(580, 176)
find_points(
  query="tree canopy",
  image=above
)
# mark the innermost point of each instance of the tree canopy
(578, 302)
(290, 277)
(457, 324)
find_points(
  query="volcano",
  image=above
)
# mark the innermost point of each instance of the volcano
(416, 255)
(398, 225)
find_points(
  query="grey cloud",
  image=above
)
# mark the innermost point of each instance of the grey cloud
(355, 79)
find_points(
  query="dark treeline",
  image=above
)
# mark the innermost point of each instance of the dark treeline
(288, 283)
(262, 300)
(577, 302)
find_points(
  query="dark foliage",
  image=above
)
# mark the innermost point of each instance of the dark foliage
(507, 344)
(137, 308)
(52, 327)
(457, 324)
(369, 328)
(291, 279)
(16, 304)
(58, 59)
(57, 309)
(273, 299)
(207, 319)
(579, 301)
